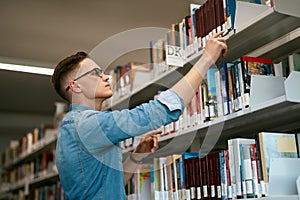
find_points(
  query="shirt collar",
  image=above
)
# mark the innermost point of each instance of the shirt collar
(75, 107)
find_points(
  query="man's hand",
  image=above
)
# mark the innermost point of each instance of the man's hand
(215, 46)
(148, 144)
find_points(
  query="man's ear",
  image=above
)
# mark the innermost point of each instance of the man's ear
(74, 87)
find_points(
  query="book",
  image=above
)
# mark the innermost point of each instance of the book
(246, 171)
(254, 66)
(235, 162)
(198, 182)
(255, 171)
(204, 177)
(140, 74)
(224, 88)
(189, 173)
(275, 145)
(294, 62)
(214, 175)
(219, 100)
(212, 93)
(231, 88)
(230, 14)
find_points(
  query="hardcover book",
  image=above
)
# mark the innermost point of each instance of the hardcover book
(258, 66)
(254, 66)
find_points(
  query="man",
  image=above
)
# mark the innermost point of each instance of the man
(88, 158)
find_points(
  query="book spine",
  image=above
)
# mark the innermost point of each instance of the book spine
(204, 178)
(254, 164)
(224, 88)
(248, 191)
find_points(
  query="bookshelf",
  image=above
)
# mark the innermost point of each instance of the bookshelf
(264, 27)
(149, 89)
(44, 144)
(266, 116)
(268, 32)
(261, 31)
(39, 178)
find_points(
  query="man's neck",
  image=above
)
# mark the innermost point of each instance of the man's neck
(93, 103)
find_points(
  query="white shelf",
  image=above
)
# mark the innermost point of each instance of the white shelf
(280, 48)
(286, 197)
(149, 89)
(259, 25)
(278, 114)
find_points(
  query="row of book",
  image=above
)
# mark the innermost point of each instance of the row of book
(241, 171)
(158, 57)
(184, 40)
(225, 90)
(47, 192)
(190, 35)
(30, 142)
(127, 78)
(287, 65)
(186, 34)
(40, 166)
(187, 37)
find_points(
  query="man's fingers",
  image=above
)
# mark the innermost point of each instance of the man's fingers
(218, 34)
(155, 144)
(152, 133)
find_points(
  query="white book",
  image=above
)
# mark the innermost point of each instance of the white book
(278, 69)
(234, 148)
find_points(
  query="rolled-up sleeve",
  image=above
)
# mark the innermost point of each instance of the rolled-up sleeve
(171, 99)
(98, 130)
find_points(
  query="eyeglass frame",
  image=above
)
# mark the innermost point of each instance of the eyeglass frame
(98, 71)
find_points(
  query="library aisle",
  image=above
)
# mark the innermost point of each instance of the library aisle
(238, 138)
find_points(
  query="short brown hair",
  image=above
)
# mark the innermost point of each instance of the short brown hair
(63, 68)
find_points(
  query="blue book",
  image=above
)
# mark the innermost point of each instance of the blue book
(230, 13)
(224, 87)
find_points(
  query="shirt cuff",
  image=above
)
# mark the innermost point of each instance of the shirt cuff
(171, 99)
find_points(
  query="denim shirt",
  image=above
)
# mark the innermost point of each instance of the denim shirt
(88, 157)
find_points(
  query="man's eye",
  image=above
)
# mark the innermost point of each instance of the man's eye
(94, 73)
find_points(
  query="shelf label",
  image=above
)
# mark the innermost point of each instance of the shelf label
(177, 56)
(174, 56)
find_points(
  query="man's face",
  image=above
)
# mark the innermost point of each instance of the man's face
(94, 84)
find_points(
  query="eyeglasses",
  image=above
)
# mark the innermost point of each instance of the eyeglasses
(98, 71)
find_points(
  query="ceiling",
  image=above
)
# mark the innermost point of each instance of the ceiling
(41, 33)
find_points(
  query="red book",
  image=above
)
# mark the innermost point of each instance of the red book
(229, 191)
(198, 181)
(253, 65)
(205, 178)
